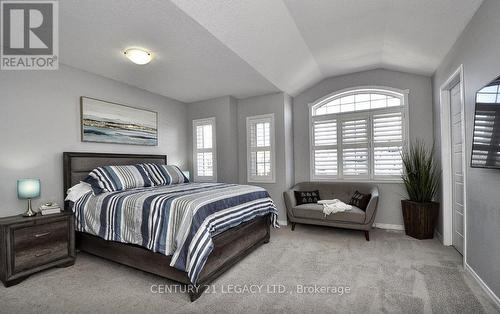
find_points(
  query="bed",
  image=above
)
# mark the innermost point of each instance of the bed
(229, 243)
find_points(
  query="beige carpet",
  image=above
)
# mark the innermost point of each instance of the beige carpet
(390, 274)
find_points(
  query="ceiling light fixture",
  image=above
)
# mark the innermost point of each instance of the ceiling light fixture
(138, 55)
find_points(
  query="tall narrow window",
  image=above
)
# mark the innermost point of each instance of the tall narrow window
(260, 149)
(358, 134)
(204, 150)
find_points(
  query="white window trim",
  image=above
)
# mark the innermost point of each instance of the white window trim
(250, 177)
(196, 123)
(402, 94)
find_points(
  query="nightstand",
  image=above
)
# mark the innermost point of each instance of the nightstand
(31, 244)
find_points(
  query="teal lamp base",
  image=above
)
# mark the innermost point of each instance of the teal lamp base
(29, 211)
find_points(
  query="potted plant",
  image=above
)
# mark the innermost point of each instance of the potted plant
(421, 179)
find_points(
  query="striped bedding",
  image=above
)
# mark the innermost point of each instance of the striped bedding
(178, 220)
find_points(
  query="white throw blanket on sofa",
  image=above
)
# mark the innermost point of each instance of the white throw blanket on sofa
(334, 206)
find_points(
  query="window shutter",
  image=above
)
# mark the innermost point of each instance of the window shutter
(260, 144)
(358, 134)
(388, 127)
(260, 148)
(204, 157)
(388, 142)
(252, 130)
(204, 136)
(204, 154)
(260, 163)
(355, 147)
(325, 147)
(325, 133)
(325, 162)
(205, 165)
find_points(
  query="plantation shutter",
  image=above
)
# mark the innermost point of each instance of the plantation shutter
(325, 147)
(355, 139)
(358, 134)
(387, 143)
(204, 149)
(260, 163)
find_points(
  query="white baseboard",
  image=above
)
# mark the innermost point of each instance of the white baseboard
(483, 285)
(388, 226)
(283, 222)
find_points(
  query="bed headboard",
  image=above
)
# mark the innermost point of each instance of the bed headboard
(76, 166)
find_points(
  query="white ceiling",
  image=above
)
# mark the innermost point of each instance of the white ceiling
(209, 48)
(189, 63)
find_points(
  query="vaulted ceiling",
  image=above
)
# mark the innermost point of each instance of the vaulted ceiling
(210, 48)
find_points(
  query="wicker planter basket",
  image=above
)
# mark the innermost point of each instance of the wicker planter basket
(420, 218)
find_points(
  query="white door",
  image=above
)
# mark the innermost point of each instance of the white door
(457, 168)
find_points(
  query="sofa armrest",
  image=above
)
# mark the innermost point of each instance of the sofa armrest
(290, 201)
(371, 208)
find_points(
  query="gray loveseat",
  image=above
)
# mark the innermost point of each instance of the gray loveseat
(313, 213)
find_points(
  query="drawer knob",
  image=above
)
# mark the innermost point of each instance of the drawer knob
(39, 235)
(43, 253)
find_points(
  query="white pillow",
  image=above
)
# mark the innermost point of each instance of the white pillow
(77, 191)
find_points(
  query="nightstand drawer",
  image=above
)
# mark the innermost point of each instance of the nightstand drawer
(39, 255)
(31, 236)
(40, 244)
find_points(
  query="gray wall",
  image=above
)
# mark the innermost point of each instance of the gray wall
(421, 125)
(288, 130)
(478, 49)
(40, 118)
(230, 116)
(279, 104)
(224, 109)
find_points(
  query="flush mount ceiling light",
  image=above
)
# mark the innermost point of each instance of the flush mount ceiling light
(138, 55)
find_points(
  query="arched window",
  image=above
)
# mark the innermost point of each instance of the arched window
(358, 134)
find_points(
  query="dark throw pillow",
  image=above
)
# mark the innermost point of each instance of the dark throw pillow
(306, 197)
(360, 200)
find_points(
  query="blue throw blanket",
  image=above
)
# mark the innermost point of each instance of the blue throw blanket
(178, 220)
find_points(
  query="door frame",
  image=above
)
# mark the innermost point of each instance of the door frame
(446, 162)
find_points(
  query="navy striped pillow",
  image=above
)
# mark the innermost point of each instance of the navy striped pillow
(165, 174)
(118, 178)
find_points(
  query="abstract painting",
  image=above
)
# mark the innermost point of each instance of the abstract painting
(107, 122)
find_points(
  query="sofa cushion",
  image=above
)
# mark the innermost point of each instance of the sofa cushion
(315, 211)
(360, 200)
(306, 197)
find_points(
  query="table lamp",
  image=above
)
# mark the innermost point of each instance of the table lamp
(28, 189)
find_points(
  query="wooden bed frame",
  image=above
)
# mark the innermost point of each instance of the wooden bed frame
(230, 246)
